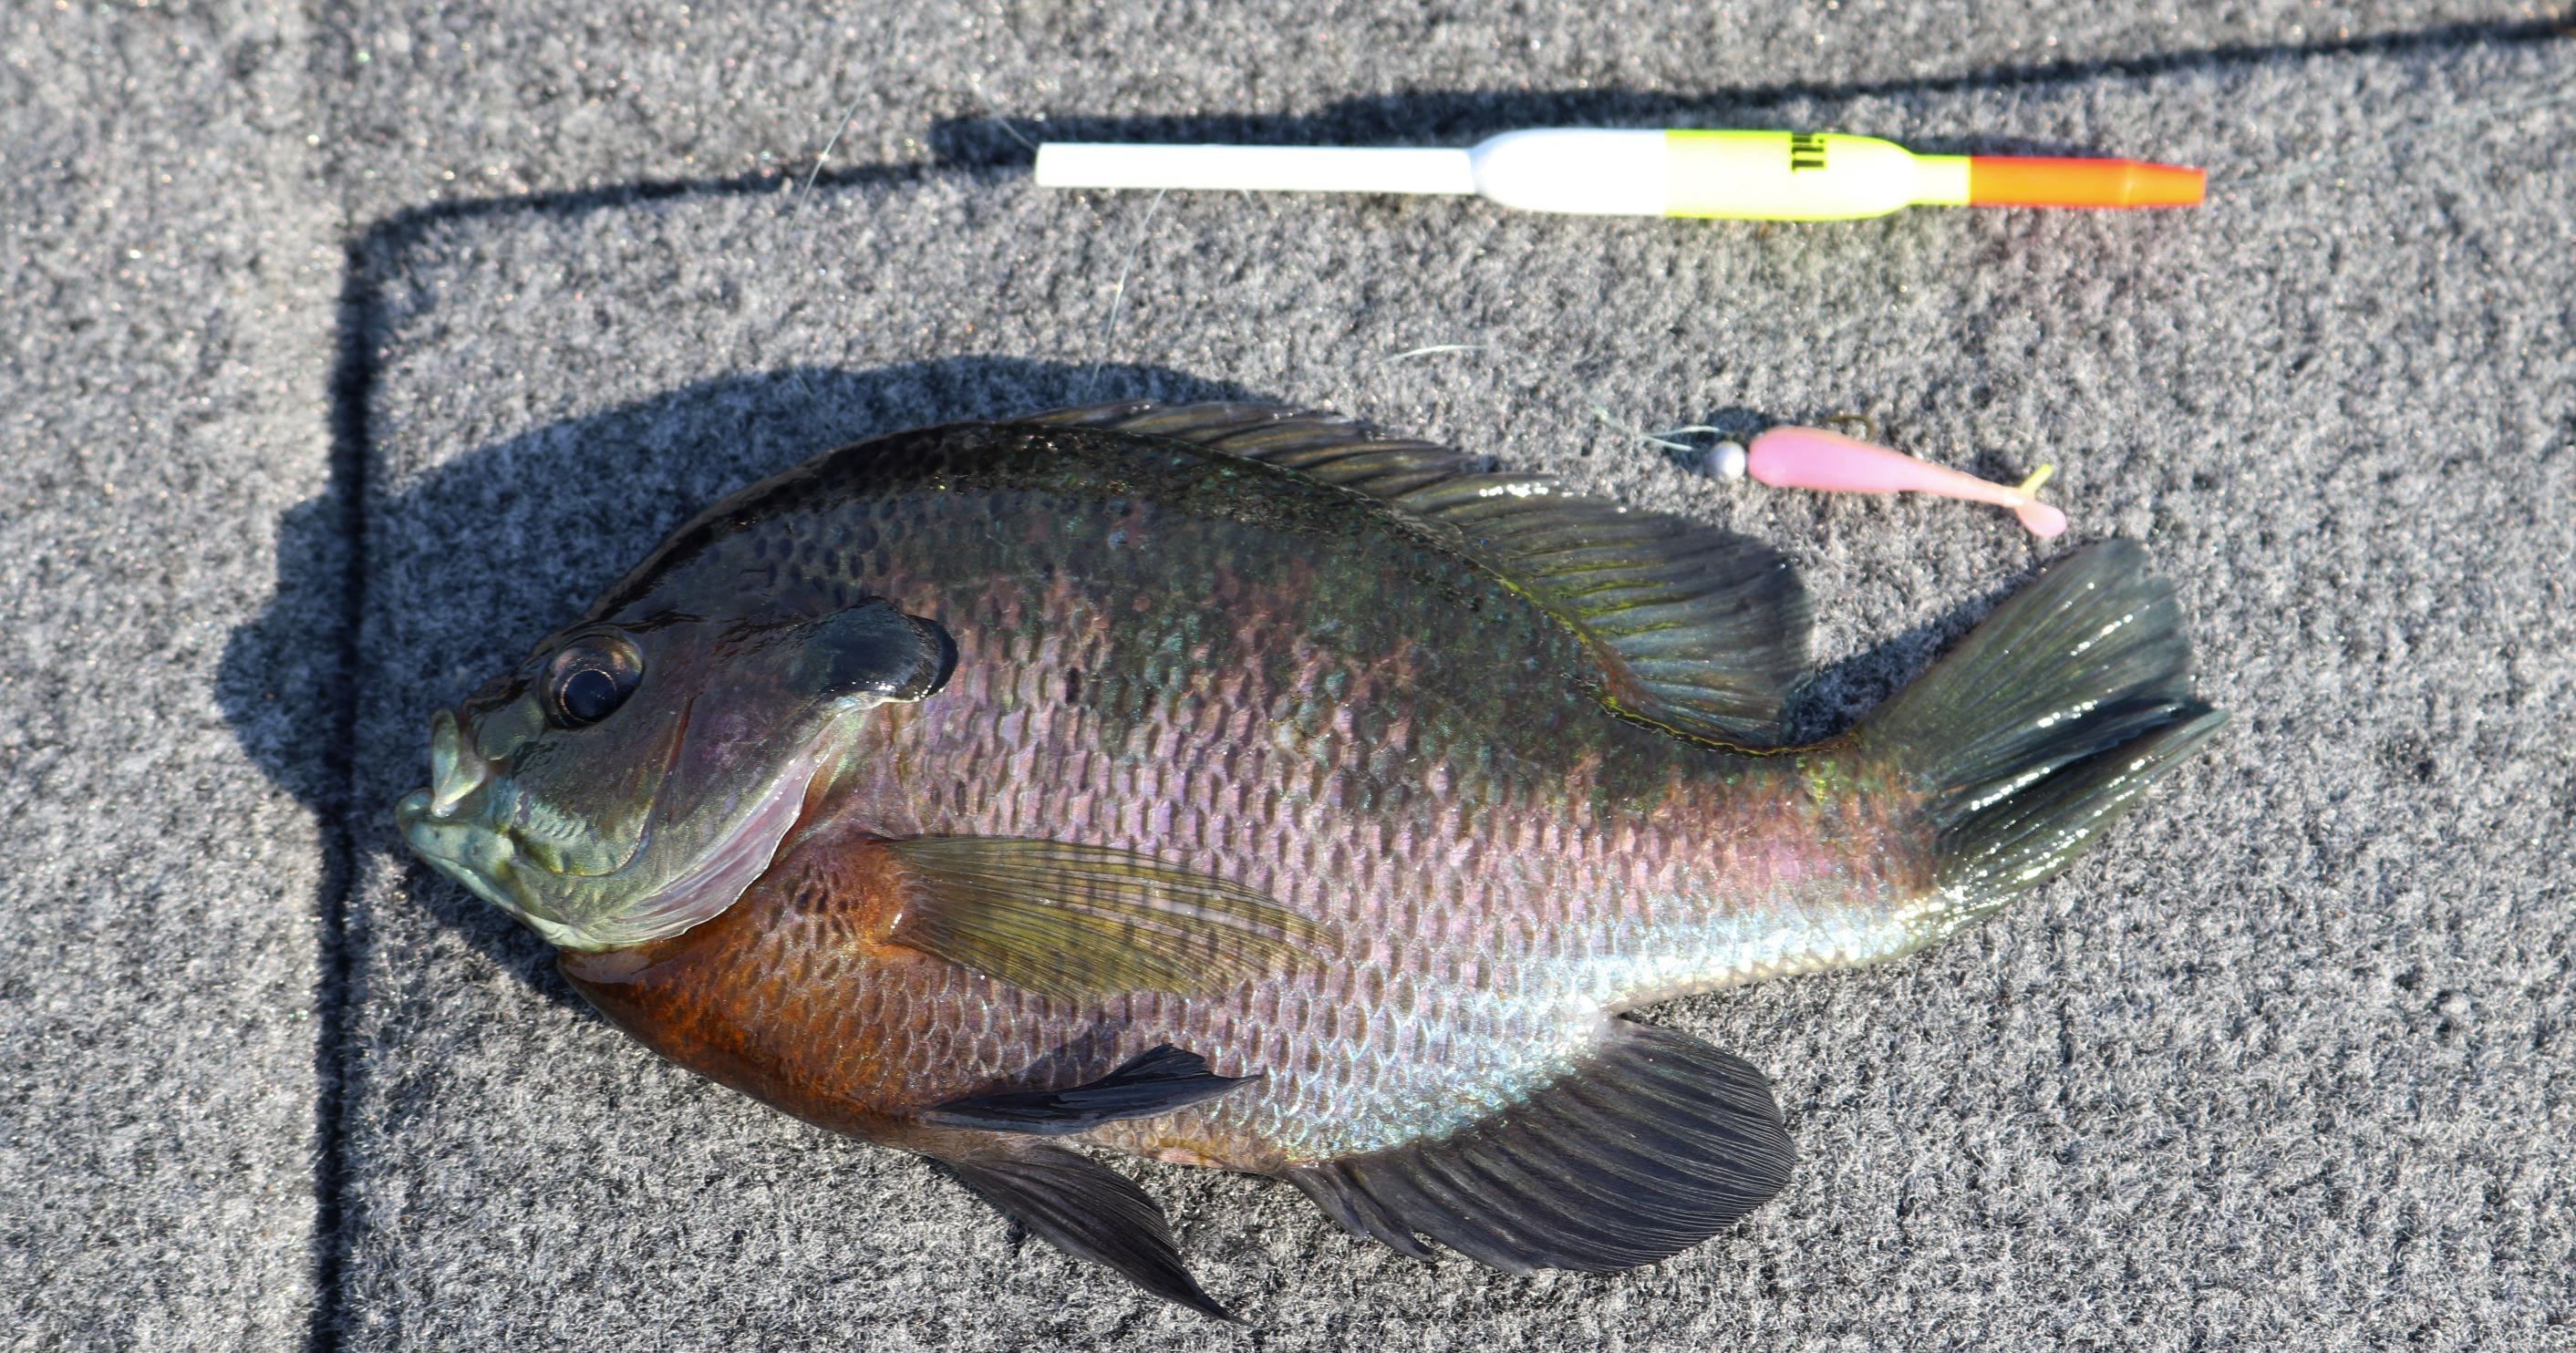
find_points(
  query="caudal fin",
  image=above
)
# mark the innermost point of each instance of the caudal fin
(2047, 722)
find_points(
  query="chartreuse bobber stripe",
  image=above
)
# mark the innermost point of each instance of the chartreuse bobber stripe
(1746, 175)
(1803, 176)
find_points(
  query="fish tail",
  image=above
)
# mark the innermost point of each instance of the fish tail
(2047, 723)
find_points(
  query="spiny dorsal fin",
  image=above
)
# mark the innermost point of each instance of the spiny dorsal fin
(1160, 1080)
(1653, 1144)
(1695, 628)
(1078, 921)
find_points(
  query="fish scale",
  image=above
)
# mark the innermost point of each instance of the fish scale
(1225, 785)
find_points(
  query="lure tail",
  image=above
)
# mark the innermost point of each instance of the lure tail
(2047, 723)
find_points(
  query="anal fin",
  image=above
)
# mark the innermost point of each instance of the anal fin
(1152, 1083)
(1653, 1144)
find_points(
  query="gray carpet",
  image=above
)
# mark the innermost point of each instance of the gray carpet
(2284, 1064)
(168, 268)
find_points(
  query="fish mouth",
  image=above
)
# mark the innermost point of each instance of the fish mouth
(443, 822)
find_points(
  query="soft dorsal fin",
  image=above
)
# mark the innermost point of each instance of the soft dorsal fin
(1653, 1144)
(1163, 1079)
(1078, 921)
(1696, 629)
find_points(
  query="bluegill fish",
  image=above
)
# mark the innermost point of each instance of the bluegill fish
(1230, 786)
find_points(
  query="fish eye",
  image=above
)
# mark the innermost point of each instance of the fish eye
(590, 678)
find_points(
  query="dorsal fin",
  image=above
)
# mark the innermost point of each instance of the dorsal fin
(1695, 628)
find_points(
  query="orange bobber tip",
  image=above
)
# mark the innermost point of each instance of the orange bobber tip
(2034, 181)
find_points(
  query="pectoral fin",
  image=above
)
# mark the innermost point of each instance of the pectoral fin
(1148, 1085)
(1083, 921)
(1653, 1144)
(1087, 1210)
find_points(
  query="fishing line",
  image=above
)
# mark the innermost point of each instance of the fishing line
(994, 114)
(1533, 372)
(1433, 350)
(1010, 131)
(1601, 415)
(826, 153)
(1118, 295)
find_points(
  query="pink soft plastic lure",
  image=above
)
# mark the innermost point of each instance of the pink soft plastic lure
(1812, 458)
